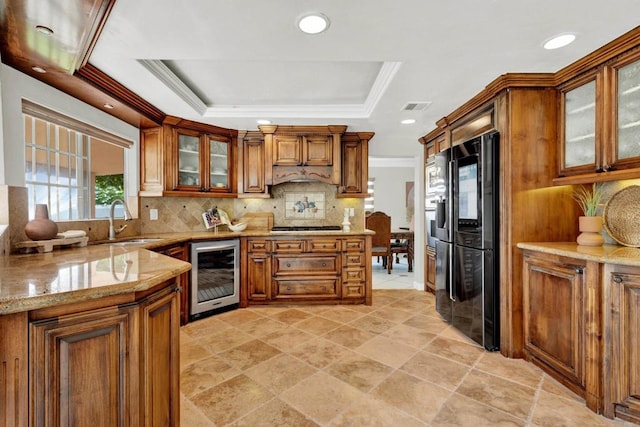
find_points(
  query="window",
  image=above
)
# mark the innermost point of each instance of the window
(74, 168)
(368, 202)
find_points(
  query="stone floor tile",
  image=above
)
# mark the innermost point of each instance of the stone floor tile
(280, 373)
(510, 397)
(387, 351)
(462, 411)
(249, 354)
(274, 413)
(417, 397)
(205, 374)
(441, 371)
(359, 371)
(371, 412)
(232, 399)
(320, 352)
(455, 350)
(321, 397)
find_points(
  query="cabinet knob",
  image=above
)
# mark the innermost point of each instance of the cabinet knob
(324, 264)
(617, 279)
(288, 288)
(288, 264)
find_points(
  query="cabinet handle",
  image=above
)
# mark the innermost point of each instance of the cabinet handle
(324, 264)
(288, 288)
(617, 278)
(288, 264)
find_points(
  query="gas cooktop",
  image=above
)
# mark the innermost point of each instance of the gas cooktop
(306, 228)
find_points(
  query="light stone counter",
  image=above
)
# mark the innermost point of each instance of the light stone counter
(606, 254)
(34, 281)
(29, 282)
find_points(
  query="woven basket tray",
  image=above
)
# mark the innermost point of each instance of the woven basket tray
(622, 216)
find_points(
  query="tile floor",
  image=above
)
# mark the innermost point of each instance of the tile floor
(395, 363)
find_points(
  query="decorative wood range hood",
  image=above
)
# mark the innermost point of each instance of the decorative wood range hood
(303, 153)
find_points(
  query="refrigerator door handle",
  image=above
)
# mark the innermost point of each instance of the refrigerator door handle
(451, 229)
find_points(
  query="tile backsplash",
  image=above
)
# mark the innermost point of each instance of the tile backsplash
(180, 214)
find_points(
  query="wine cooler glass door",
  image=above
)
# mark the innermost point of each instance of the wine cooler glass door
(215, 275)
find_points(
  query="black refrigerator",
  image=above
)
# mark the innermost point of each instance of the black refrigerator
(467, 246)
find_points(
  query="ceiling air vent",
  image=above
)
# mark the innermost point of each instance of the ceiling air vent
(416, 106)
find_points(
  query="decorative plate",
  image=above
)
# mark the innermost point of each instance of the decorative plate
(622, 216)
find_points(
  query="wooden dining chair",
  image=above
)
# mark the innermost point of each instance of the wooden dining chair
(402, 247)
(380, 222)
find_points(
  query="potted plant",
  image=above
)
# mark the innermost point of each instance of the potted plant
(590, 224)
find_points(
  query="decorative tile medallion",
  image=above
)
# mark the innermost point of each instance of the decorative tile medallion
(304, 206)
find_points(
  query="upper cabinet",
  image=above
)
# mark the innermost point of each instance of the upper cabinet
(185, 158)
(303, 153)
(600, 123)
(355, 165)
(252, 165)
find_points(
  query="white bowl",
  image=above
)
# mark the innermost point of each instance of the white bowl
(237, 227)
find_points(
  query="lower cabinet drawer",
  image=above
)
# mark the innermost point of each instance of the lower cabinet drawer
(353, 291)
(306, 288)
(305, 265)
(354, 259)
(353, 274)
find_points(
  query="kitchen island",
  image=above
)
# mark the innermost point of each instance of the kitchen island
(581, 321)
(90, 337)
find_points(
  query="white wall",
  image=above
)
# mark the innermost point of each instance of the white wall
(391, 174)
(389, 190)
(16, 86)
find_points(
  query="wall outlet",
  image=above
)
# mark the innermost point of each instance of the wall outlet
(153, 214)
(351, 211)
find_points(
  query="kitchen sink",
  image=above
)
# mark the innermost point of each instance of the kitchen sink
(135, 241)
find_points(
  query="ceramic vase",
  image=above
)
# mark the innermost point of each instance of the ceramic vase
(41, 228)
(590, 228)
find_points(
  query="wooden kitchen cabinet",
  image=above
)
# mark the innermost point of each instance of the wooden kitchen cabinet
(120, 359)
(430, 270)
(186, 158)
(302, 153)
(181, 252)
(252, 165)
(159, 369)
(562, 323)
(354, 265)
(307, 269)
(622, 344)
(599, 123)
(355, 165)
(82, 355)
(200, 162)
(257, 270)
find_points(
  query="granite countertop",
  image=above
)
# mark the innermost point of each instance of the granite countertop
(606, 254)
(33, 281)
(68, 275)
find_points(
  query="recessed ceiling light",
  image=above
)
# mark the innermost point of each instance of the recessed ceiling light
(559, 41)
(44, 30)
(408, 121)
(38, 69)
(313, 23)
(263, 122)
(108, 106)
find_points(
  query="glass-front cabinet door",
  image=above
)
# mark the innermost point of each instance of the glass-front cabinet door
(218, 162)
(626, 152)
(202, 162)
(189, 164)
(580, 149)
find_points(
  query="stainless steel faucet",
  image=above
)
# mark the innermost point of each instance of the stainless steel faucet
(127, 217)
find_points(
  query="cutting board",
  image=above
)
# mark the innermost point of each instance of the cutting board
(258, 220)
